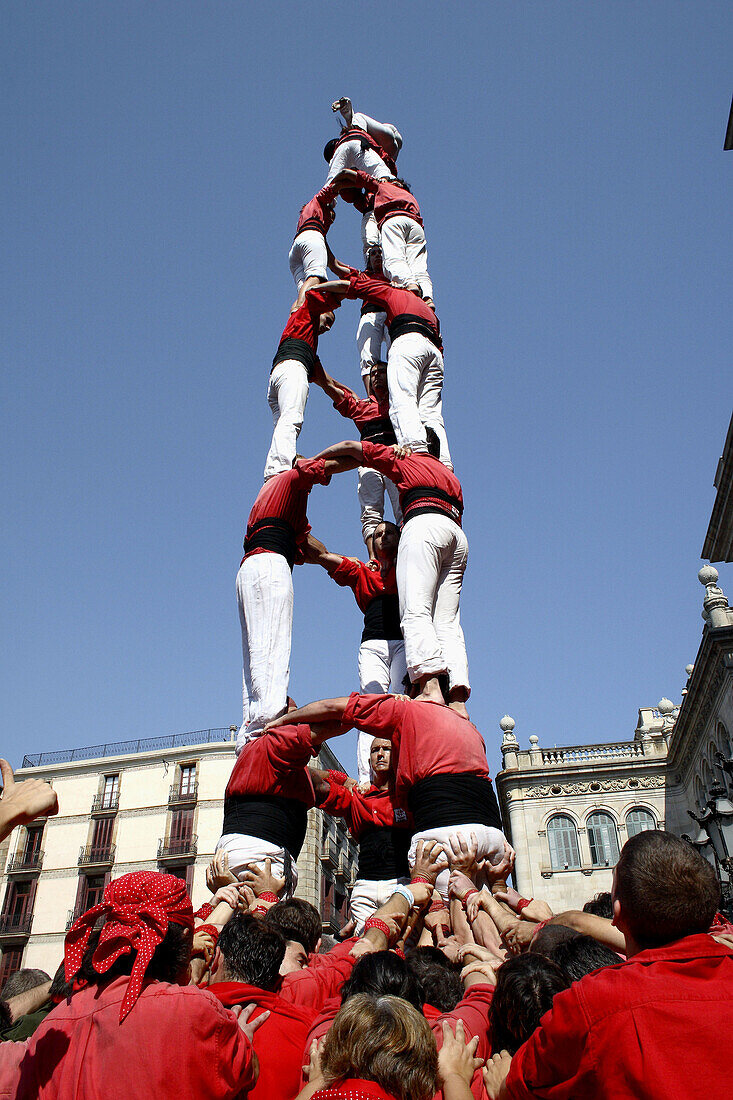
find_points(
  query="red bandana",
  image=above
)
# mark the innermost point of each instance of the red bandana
(137, 909)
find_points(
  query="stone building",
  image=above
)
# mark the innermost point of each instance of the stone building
(138, 805)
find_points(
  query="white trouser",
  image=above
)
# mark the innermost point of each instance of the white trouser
(287, 394)
(265, 598)
(371, 499)
(369, 232)
(308, 256)
(415, 378)
(244, 850)
(382, 669)
(431, 561)
(368, 895)
(371, 333)
(490, 843)
(405, 253)
(351, 155)
(383, 132)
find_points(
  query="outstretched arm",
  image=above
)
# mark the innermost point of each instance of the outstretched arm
(338, 287)
(315, 553)
(329, 385)
(323, 710)
(349, 450)
(340, 270)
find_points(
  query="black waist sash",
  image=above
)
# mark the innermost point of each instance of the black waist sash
(275, 535)
(439, 801)
(311, 223)
(371, 307)
(418, 501)
(379, 430)
(382, 619)
(383, 853)
(293, 348)
(409, 322)
(281, 821)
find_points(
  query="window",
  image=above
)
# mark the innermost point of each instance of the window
(188, 780)
(110, 792)
(563, 840)
(32, 847)
(603, 840)
(18, 909)
(10, 964)
(102, 837)
(92, 888)
(638, 821)
(183, 871)
(181, 829)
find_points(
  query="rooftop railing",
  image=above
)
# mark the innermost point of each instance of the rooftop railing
(128, 748)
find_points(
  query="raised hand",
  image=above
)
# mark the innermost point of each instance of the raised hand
(218, 873)
(457, 1057)
(462, 852)
(25, 801)
(262, 880)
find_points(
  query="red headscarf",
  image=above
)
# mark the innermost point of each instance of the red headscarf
(137, 909)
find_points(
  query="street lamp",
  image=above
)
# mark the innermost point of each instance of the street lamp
(719, 825)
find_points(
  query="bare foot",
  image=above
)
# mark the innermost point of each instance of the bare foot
(430, 691)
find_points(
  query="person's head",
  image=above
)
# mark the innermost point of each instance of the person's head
(380, 757)
(386, 541)
(525, 987)
(582, 955)
(300, 924)
(329, 149)
(248, 950)
(401, 183)
(378, 381)
(382, 973)
(23, 980)
(546, 940)
(329, 213)
(325, 321)
(433, 442)
(662, 890)
(600, 905)
(438, 978)
(374, 260)
(382, 1039)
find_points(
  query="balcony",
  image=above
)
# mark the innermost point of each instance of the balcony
(330, 851)
(24, 861)
(91, 855)
(178, 848)
(16, 924)
(177, 797)
(106, 803)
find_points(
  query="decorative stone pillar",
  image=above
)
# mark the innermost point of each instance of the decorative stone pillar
(535, 753)
(715, 605)
(509, 744)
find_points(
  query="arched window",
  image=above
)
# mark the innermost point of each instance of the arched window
(638, 821)
(603, 839)
(562, 837)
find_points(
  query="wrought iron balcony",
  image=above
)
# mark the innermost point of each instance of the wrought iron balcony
(24, 861)
(15, 924)
(106, 803)
(178, 847)
(96, 854)
(177, 796)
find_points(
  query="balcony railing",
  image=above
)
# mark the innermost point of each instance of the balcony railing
(90, 854)
(23, 861)
(178, 848)
(15, 924)
(106, 803)
(178, 796)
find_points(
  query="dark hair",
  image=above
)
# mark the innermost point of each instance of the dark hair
(252, 951)
(666, 889)
(546, 940)
(600, 905)
(525, 988)
(297, 920)
(329, 149)
(438, 978)
(582, 955)
(168, 964)
(23, 980)
(433, 442)
(6, 1016)
(400, 183)
(382, 973)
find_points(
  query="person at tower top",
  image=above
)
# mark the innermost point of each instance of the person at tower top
(308, 256)
(431, 561)
(287, 391)
(414, 362)
(364, 143)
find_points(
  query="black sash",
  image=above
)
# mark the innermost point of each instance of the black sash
(382, 619)
(293, 348)
(418, 501)
(439, 801)
(275, 535)
(383, 853)
(311, 223)
(371, 307)
(281, 821)
(408, 322)
(379, 430)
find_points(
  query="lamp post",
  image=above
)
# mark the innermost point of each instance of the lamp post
(716, 833)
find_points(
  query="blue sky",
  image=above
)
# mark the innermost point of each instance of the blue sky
(568, 161)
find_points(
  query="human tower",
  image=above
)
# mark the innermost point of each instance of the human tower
(422, 767)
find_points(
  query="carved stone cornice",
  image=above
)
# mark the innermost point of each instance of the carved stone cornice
(713, 667)
(592, 786)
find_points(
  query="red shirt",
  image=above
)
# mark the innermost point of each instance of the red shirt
(473, 1010)
(651, 1028)
(376, 808)
(390, 199)
(278, 1043)
(427, 738)
(321, 979)
(285, 496)
(178, 1043)
(416, 472)
(275, 764)
(313, 214)
(303, 324)
(365, 581)
(393, 300)
(353, 1088)
(360, 411)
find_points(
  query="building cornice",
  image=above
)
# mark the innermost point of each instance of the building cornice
(713, 668)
